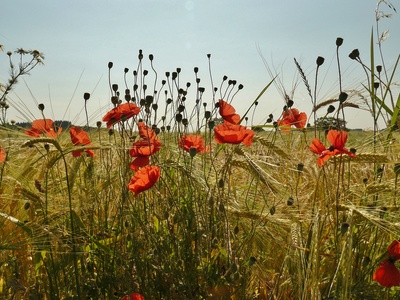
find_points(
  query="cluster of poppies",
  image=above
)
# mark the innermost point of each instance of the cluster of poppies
(338, 140)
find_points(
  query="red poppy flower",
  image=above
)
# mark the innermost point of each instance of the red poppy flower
(3, 155)
(292, 117)
(80, 138)
(139, 162)
(43, 126)
(337, 139)
(144, 179)
(193, 141)
(145, 147)
(233, 134)
(146, 132)
(387, 274)
(228, 112)
(121, 112)
(133, 296)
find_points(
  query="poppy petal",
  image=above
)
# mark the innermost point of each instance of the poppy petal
(337, 138)
(317, 147)
(387, 274)
(139, 162)
(144, 179)
(394, 250)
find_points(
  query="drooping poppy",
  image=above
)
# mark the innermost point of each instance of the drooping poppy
(133, 296)
(43, 126)
(3, 155)
(189, 141)
(144, 179)
(337, 139)
(228, 112)
(292, 117)
(233, 134)
(146, 132)
(79, 137)
(387, 273)
(121, 112)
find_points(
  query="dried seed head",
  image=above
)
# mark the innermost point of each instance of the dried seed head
(339, 41)
(290, 103)
(114, 87)
(86, 96)
(98, 124)
(110, 65)
(379, 68)
(376, 85)
(41, 107)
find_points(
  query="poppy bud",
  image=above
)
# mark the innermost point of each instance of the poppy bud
(174, 75)
(178, 118)
(185, 122)
(379, 68)
(365, 261)
(192, 152)
(196, 70)
(353, 150)
(211, 124)
(271, 116)
(272, 210)
(86, 96)
(111, 132)
(163, 128)
(236, 230)
(126, 70)
(344, 227)
(188, 84)
(290, 201)
(115, 87)
(354, 54)
(376, 85)
(168, 128)
(201, 89)
(275, 124)
(290, 103)
(300, 167)
(224, 78)
(151, 57)
(240, 87)
(110, 65)
(114, 100)
(269, 120)
(47, 147)
(41, 107)
(207, 114)
(198, 80)
(208, 55)
(342, 97)
(221, 183)
(330, 109)
(169, 101)
(339, 41)
(155, 106)
(149, 100)
(27, 205)
(365, 181)
(144, 87)
(320, 60)
(252, 261)
(181, 108)
(127, 97)
(98, 124)
(140, 56)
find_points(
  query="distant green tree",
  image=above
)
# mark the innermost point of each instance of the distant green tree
(330, 123)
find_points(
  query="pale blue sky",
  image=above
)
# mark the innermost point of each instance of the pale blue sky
(79, 38)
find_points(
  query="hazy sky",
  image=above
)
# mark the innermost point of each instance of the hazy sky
(79, 38)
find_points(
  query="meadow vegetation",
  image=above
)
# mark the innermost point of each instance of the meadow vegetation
(176, 198)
